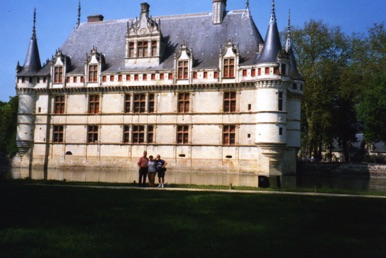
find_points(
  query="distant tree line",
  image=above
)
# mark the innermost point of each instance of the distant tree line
(345, 90)
(8, 123)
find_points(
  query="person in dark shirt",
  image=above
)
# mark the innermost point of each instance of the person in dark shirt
(161, 169)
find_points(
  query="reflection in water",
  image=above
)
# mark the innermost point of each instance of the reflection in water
(196, 178)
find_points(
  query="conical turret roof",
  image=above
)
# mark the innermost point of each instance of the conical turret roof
(272, 45)
(32, 61)
(293, 69)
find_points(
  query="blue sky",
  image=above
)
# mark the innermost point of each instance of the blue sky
(57, 18)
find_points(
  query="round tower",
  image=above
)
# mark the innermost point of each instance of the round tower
(271, 128)
(26, 80)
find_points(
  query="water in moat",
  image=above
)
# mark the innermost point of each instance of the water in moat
(198, 178)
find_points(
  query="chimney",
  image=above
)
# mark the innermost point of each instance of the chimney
(145, 9)
(95, 18)
(219, 7)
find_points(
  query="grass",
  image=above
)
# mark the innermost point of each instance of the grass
(65, 221)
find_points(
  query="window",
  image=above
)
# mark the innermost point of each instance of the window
(119, 77)
(75, 79)
(139, 103)
(127, 103)
(142, 49)
(57, 134)
(127, 77)
(151, 103)
(104, 78)
(182, 69)
(170, 76)
(93, 73)
(266, 70)
(195, 75)
(136, 77)
(182, 134)
(244, 72)
(162, 76)
(276, 70)
(183, 102)
(229, 68)
(93, 104)
(230, 102)
(154, 48)
(153, 76)
(150, 133)
(58, 74)
(283, 69)
(92, 133)
(295, 86)
(131, 49)
(111, 78)
(59, 104)
(138, 134)
(280, 130)
(215, 75)
(253, 72)
(280, 101)
(144, 77)
(259, 71)
(229, 135)
(205, 75)
(126, 134)
(82, 79)
(68, 79)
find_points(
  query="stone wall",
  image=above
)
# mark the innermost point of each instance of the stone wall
(341, 169)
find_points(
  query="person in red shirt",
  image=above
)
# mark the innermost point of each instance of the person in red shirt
(142, 164)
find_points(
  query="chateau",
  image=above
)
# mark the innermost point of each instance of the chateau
(205, 91)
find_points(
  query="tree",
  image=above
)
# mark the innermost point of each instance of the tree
(372, 110)
(8, 124)
(372, 107)
(323, 54)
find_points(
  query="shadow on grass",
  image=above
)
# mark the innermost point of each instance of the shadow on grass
(48, 221)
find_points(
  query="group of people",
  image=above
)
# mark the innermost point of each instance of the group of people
(149, 167)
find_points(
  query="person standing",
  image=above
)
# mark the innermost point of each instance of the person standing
(151, 169)
(161, 169)
(142, 164)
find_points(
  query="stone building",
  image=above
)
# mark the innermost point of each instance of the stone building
(204, 90)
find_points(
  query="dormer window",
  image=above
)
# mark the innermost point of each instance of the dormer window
(229, 68)
(93, 73)
(154, 48)
(143, 40)
(183, 70)
(58, 74)
(131, 49)
(142, 49)
(229, 60)
(94, 66)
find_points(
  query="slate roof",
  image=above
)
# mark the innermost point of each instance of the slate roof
(197, 30)
(272, 44)
(32, 61)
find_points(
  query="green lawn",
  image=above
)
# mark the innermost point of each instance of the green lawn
(63, 221)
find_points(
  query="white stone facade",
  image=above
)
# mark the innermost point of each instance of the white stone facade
(238, 118)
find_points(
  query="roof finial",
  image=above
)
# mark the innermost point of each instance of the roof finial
(78, 23)
(273, 15)
(288, 43)
(34, 25)
(289, 23)
(247, 5)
